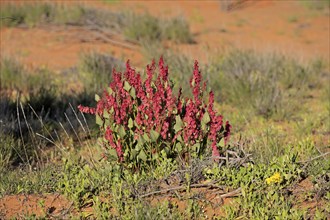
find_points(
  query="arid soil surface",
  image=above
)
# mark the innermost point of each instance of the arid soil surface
(287, 27)
(269, 26)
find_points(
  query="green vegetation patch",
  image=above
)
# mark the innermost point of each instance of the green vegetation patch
(135, 27)
(118, 161)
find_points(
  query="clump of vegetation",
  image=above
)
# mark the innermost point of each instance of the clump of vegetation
(269, 181)
(318, 5)
(269, 84)
(95, 70)
(36, 14)
(134, 27)
(152, 146)
(154, 142)
(141, 119)
(147, 28)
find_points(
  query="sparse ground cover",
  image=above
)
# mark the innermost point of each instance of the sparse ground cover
(178, 161)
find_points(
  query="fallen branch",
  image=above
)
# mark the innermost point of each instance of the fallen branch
(114, 42)
(198, 185)
(233, 193)
(314, 158)
(107, 35)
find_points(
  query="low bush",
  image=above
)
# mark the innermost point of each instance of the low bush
(271, 85)
(35, 14)
(95, 70)
(177, 30)
(264, 188)
(146, 28)
(135, 27)
(141, 119)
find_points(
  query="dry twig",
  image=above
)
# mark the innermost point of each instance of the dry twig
(198, 185)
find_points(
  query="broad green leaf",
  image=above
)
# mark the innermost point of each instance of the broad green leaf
(106, 114)
(139, 145)
(205, 119)
(178, 123)
(146, 138)
(140, 141)
(127, 86)
(142, 155)
(110, 91)
(97, 97)
(130, 123)
(167, 151)
(132, 93)
(107, 123)
(222, 143)
(154, 135)
(121, 131)
(155, 156)
(179, 138)
(133, 154)
(99, 120)
(178, 147)
(196, 147)
(113, 153)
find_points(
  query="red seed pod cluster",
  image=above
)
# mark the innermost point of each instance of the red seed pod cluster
(146, 106)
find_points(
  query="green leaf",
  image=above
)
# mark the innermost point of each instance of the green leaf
(178, 123)
(167, 151)
(205, 119)
(222, 143)
(132, 93)
(106, 114)
(97, 97)
(113, 153)
(107, 123)
(140, 141)
(178, 147)
(130, 123)
(121, 131)
(154, 135)
(133, 154)
(179, 138)
(110, 91)
(136, 124)
(155, 156)
(196, 147)
(146, 138)
(127, 86)
(99, 120)
(142, 155)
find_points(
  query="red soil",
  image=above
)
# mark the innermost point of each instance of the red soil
(274, 26)
(281, 26)
(21, 206)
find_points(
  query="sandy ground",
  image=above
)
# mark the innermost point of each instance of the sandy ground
(287, 27)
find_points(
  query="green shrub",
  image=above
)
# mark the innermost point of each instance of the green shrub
(96, 70)
(7, 145)
(263, 188)
(140, 120)
(135, 27)
(33, 14)
(12, 74)
(177, 30)
(271, 85)
(146, 28)
(143, 28)
(20, 180)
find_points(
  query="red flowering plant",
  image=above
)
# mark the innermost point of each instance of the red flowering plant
(141, 118)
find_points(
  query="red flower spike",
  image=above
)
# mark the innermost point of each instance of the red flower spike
(154, 107)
